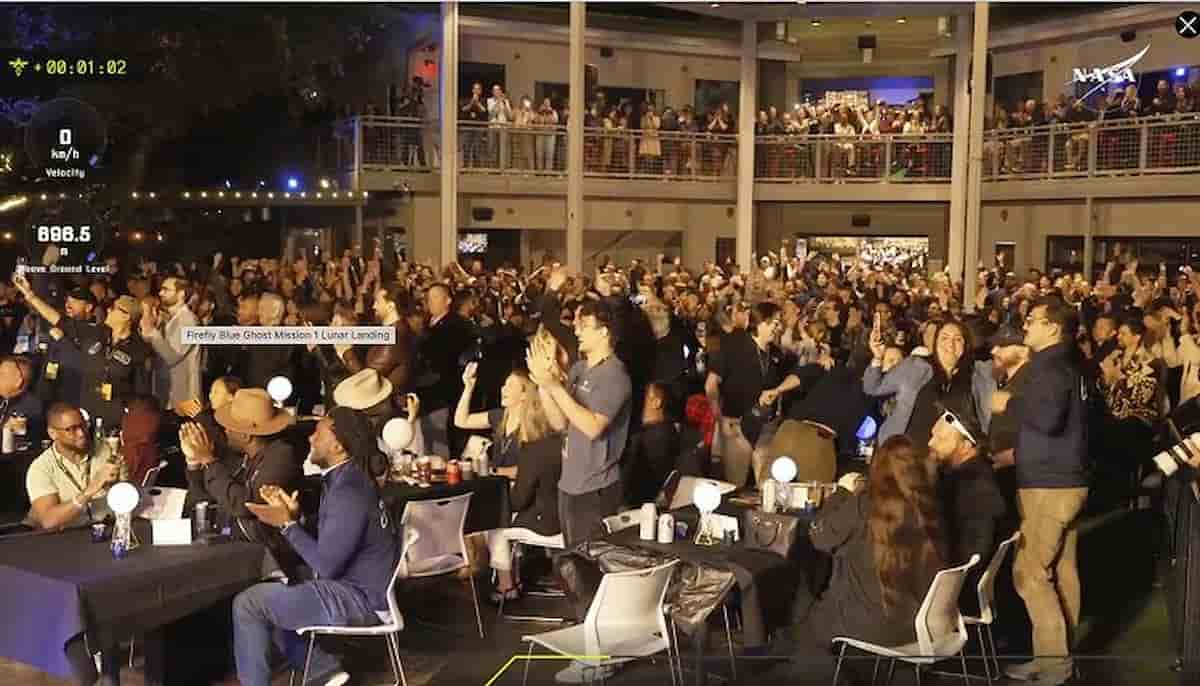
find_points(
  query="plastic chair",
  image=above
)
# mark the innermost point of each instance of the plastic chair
(441, 547)
(622, 521)
(987, 612)
(390, 626)
(625, 620)
(941, 631)
(514, 545)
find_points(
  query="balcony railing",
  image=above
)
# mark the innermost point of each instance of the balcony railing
(923, 158)
(1146, 145)
(1142, 146)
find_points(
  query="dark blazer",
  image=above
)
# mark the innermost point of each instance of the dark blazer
(234, 482)
(443, 345)
(535, 495)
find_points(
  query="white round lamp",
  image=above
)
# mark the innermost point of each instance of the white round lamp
(398, 434)
(123, 499)
(280, 389)
(783, 469)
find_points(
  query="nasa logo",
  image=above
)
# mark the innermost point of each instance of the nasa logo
(1121, 72)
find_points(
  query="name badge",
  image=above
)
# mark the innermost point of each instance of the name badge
(122, 357)
(106, 392)
(52, 370)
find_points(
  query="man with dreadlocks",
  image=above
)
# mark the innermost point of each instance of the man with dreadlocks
(353, 555)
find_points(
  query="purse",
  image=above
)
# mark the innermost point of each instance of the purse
(770, 532)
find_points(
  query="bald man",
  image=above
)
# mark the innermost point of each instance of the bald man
(17, 398)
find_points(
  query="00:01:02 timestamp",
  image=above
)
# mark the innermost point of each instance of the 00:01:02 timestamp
(61, 67)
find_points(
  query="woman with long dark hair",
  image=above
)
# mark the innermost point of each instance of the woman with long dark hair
(887, 542)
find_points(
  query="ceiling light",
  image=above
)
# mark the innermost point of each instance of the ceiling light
(901, 20)
(868, 22)
(815, 23)
(715, 5)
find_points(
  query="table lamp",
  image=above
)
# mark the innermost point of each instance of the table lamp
(122, 500)
(783, 470)
(398, 434)
(707, 498)
(280, 389)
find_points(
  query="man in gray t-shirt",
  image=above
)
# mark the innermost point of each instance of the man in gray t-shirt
(593, 407)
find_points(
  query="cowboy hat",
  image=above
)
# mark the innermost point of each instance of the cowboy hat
(253, 412)
(363, 390)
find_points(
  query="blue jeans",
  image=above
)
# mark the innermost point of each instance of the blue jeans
(270, 613)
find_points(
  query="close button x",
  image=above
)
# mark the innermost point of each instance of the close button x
(1187, 24)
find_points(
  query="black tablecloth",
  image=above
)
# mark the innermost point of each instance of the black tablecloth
(766, 581)
(490, 508)
(53, 587)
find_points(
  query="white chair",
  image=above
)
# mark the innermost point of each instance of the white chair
(687, 487)
(622, 521)
(441, 547)
(515, 545)
(941, 631)
(625, 621)
(987, 612)
(390, 626)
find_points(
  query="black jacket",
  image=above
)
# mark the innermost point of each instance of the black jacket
(444, 343)
(972, 505)
(1052, 442)
(852, 605)
(535, 496)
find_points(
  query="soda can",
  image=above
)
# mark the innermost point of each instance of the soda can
(99, 532)
(119, 550)
(453, 473)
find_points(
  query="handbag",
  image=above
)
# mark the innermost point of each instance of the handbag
(770, 532)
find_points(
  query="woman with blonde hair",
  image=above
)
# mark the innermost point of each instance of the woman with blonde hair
(888, 542)
(523, 449)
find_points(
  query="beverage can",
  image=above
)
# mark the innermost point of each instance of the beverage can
(9, 442)
(119, 550)
(99, 532)
(468, 469)
(202, 518)
(666, 528)
(453, 473)
(483, 468)
(649, 521)
(770, 495)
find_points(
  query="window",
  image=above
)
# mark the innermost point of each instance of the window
(1065, 253)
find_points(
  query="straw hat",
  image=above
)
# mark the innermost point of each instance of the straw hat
(253, 412)
(362, 390)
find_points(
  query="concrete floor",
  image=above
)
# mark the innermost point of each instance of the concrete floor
(1124, 638)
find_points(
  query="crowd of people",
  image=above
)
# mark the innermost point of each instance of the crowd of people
(1043, 399)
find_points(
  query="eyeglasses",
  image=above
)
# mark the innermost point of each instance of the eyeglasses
(953, 420)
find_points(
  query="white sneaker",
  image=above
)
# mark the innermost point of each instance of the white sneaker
(580, 673)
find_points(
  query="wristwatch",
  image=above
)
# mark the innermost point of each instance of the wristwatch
(287, 526)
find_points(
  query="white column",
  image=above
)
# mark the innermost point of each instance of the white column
(448, 74)
(747, 105)
(357, 235)
(958, 165)
(578, 97)
(975, 162)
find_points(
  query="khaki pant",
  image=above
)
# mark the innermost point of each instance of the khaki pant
(737, 455)
(1045, 571)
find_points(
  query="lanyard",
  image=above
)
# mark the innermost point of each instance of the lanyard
(87, 474)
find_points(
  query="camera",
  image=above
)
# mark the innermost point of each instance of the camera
(1179, 455)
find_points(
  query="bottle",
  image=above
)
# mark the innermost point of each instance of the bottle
(99, 435)
(770, 495)
(201, 518)
(8, 444)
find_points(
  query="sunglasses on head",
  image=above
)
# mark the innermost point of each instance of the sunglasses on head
(953, 420)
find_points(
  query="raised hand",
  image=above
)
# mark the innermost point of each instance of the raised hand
(470, 374)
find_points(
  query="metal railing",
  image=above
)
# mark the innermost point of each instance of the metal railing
(891, 158)
(1145, 145)
(655, 154)
(1139, 146)
(506, 149)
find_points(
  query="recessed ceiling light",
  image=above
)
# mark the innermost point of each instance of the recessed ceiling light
(901, 20)
(815, 22)
(715, 5)
(868, 22)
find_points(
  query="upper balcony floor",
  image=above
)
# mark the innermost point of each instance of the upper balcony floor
(1146, 157)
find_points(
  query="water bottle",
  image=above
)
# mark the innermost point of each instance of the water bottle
(201, 518)
(9, 442)
(99, 435)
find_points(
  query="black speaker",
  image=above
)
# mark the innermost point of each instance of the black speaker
(1128, 36)
(606, 52)
(866, 42)
(860, 220)
(482, 214)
